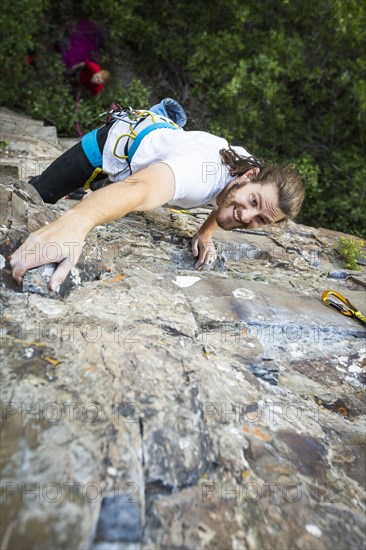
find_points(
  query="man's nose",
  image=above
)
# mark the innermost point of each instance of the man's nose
(247, 215)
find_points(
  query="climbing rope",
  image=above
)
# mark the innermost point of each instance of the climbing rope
(78, 129)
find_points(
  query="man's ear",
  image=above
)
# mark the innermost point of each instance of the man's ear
(250, 174)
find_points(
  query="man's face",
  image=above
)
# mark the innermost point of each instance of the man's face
(248, 205)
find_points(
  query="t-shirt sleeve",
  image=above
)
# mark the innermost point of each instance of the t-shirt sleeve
(181, 170)
(196, 179)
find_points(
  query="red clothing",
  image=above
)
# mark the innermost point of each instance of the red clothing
(86, 74)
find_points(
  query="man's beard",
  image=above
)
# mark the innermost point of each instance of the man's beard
(228, 202)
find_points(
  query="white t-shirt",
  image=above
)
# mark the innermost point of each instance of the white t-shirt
(193, 157)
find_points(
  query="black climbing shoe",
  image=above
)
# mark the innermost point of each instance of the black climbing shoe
(76, 195)
(95, 185)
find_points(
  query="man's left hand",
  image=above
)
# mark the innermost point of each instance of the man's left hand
(203, 247)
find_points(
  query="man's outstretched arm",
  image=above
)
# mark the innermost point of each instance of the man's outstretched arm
(145, 190)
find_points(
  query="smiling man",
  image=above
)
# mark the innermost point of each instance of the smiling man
(151, 162)
(258, 195)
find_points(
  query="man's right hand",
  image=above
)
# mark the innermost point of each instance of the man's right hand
(60, 241)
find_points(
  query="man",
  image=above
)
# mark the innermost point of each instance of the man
(152, 162)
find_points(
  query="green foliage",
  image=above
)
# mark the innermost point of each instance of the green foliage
(3, 145)
(296, 92)
(350, 250)
(49, 99)
(283, 78)
(20, 21)
(136, 94)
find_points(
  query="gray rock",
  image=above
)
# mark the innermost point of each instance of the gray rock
(268, 374)
(37, 280)
(119, 521)
(225, 407)
(338, 275)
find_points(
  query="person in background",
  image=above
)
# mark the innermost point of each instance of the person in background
(91, 76)
(81, 44)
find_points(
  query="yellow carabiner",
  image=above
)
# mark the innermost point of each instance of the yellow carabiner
(351, 310)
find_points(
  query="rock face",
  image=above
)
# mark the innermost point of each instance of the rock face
(27, 146)
(154, 406)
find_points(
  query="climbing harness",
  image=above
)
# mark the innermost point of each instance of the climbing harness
(350, 311)
(90, 146)
(141, 123)
(168, 107)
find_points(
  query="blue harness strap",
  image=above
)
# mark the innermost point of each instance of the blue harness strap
(137, 140)
(90, 146)
(91, 149)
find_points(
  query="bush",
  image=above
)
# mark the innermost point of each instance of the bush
(20, 22)
(350, 250)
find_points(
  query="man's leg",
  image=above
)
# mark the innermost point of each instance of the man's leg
(69, 172)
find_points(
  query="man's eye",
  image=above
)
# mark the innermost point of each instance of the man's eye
(254, 201)
(261, 221)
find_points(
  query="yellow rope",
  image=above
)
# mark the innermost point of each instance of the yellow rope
(133, 134)
(359, 316)
(117, 142)
(92, 178)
